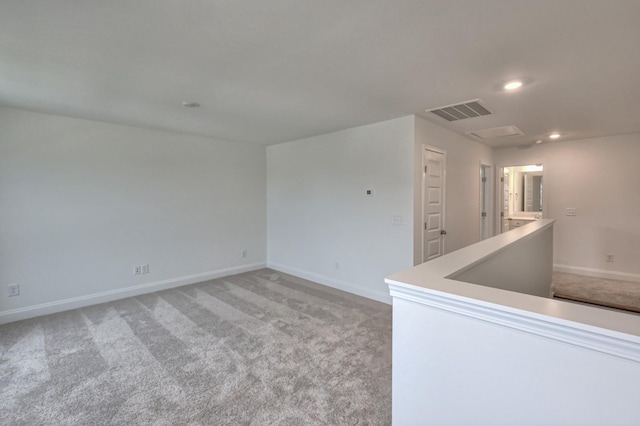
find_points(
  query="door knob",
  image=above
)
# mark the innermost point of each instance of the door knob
(443, 232)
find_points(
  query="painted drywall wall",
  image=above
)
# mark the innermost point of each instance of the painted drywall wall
(462, 203)
(600, 178)
(501, 351)
(82, 202)
(525, 267)
(322, 225)
(453, 367)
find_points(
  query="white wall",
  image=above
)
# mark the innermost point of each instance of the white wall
(469, 354)
(600, 178)
(525, 267)
(452, 367)
(462, 208)
(319, 215)
(82, 202)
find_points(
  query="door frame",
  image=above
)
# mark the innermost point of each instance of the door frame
(499, 202)
(486, 195)
(443, 152)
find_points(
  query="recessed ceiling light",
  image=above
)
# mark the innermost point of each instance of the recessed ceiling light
(554, 135)
(539, 141)
(513, 85)
(188, 104)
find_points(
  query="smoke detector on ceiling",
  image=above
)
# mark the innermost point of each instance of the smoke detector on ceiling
(468, 109)
(496, 132)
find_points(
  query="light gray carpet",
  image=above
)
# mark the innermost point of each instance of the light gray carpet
(259, 348)
(598, 291)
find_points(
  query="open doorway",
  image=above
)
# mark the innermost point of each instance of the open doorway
(521, 200)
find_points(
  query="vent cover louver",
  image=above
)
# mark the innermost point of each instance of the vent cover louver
(461, 111)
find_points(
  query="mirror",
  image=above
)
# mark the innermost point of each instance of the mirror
(532, 191)
(521, 192)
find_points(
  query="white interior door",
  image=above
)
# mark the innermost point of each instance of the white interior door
(486, 206)
(505, 189)
(433, 203)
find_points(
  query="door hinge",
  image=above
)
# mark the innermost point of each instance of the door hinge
(501, 214)
(425, 225)
(501, 179)
(484, 214)
(425, 169)
(484, 179)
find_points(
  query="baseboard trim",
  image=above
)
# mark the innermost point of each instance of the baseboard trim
(598, 273)
(332, 282)
(108, 296)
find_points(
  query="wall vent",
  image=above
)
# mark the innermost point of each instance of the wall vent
(461, 111)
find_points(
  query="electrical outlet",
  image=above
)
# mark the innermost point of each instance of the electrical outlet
(609, 257)
(137, 270)
(145, 268)
(243, 253)
(13, 290)
(571, 211)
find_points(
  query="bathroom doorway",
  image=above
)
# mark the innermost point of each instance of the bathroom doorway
(521, 193)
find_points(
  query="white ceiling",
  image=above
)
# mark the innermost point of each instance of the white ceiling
(269, 71)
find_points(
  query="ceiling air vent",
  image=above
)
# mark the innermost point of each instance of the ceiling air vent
(496, 132)
(461, 111)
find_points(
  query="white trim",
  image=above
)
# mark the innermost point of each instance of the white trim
(482, 197)
(623, 346)
(380, 296)
(108, 296)
(598, 273)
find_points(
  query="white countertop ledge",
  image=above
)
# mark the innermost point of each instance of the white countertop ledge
(616, 333)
